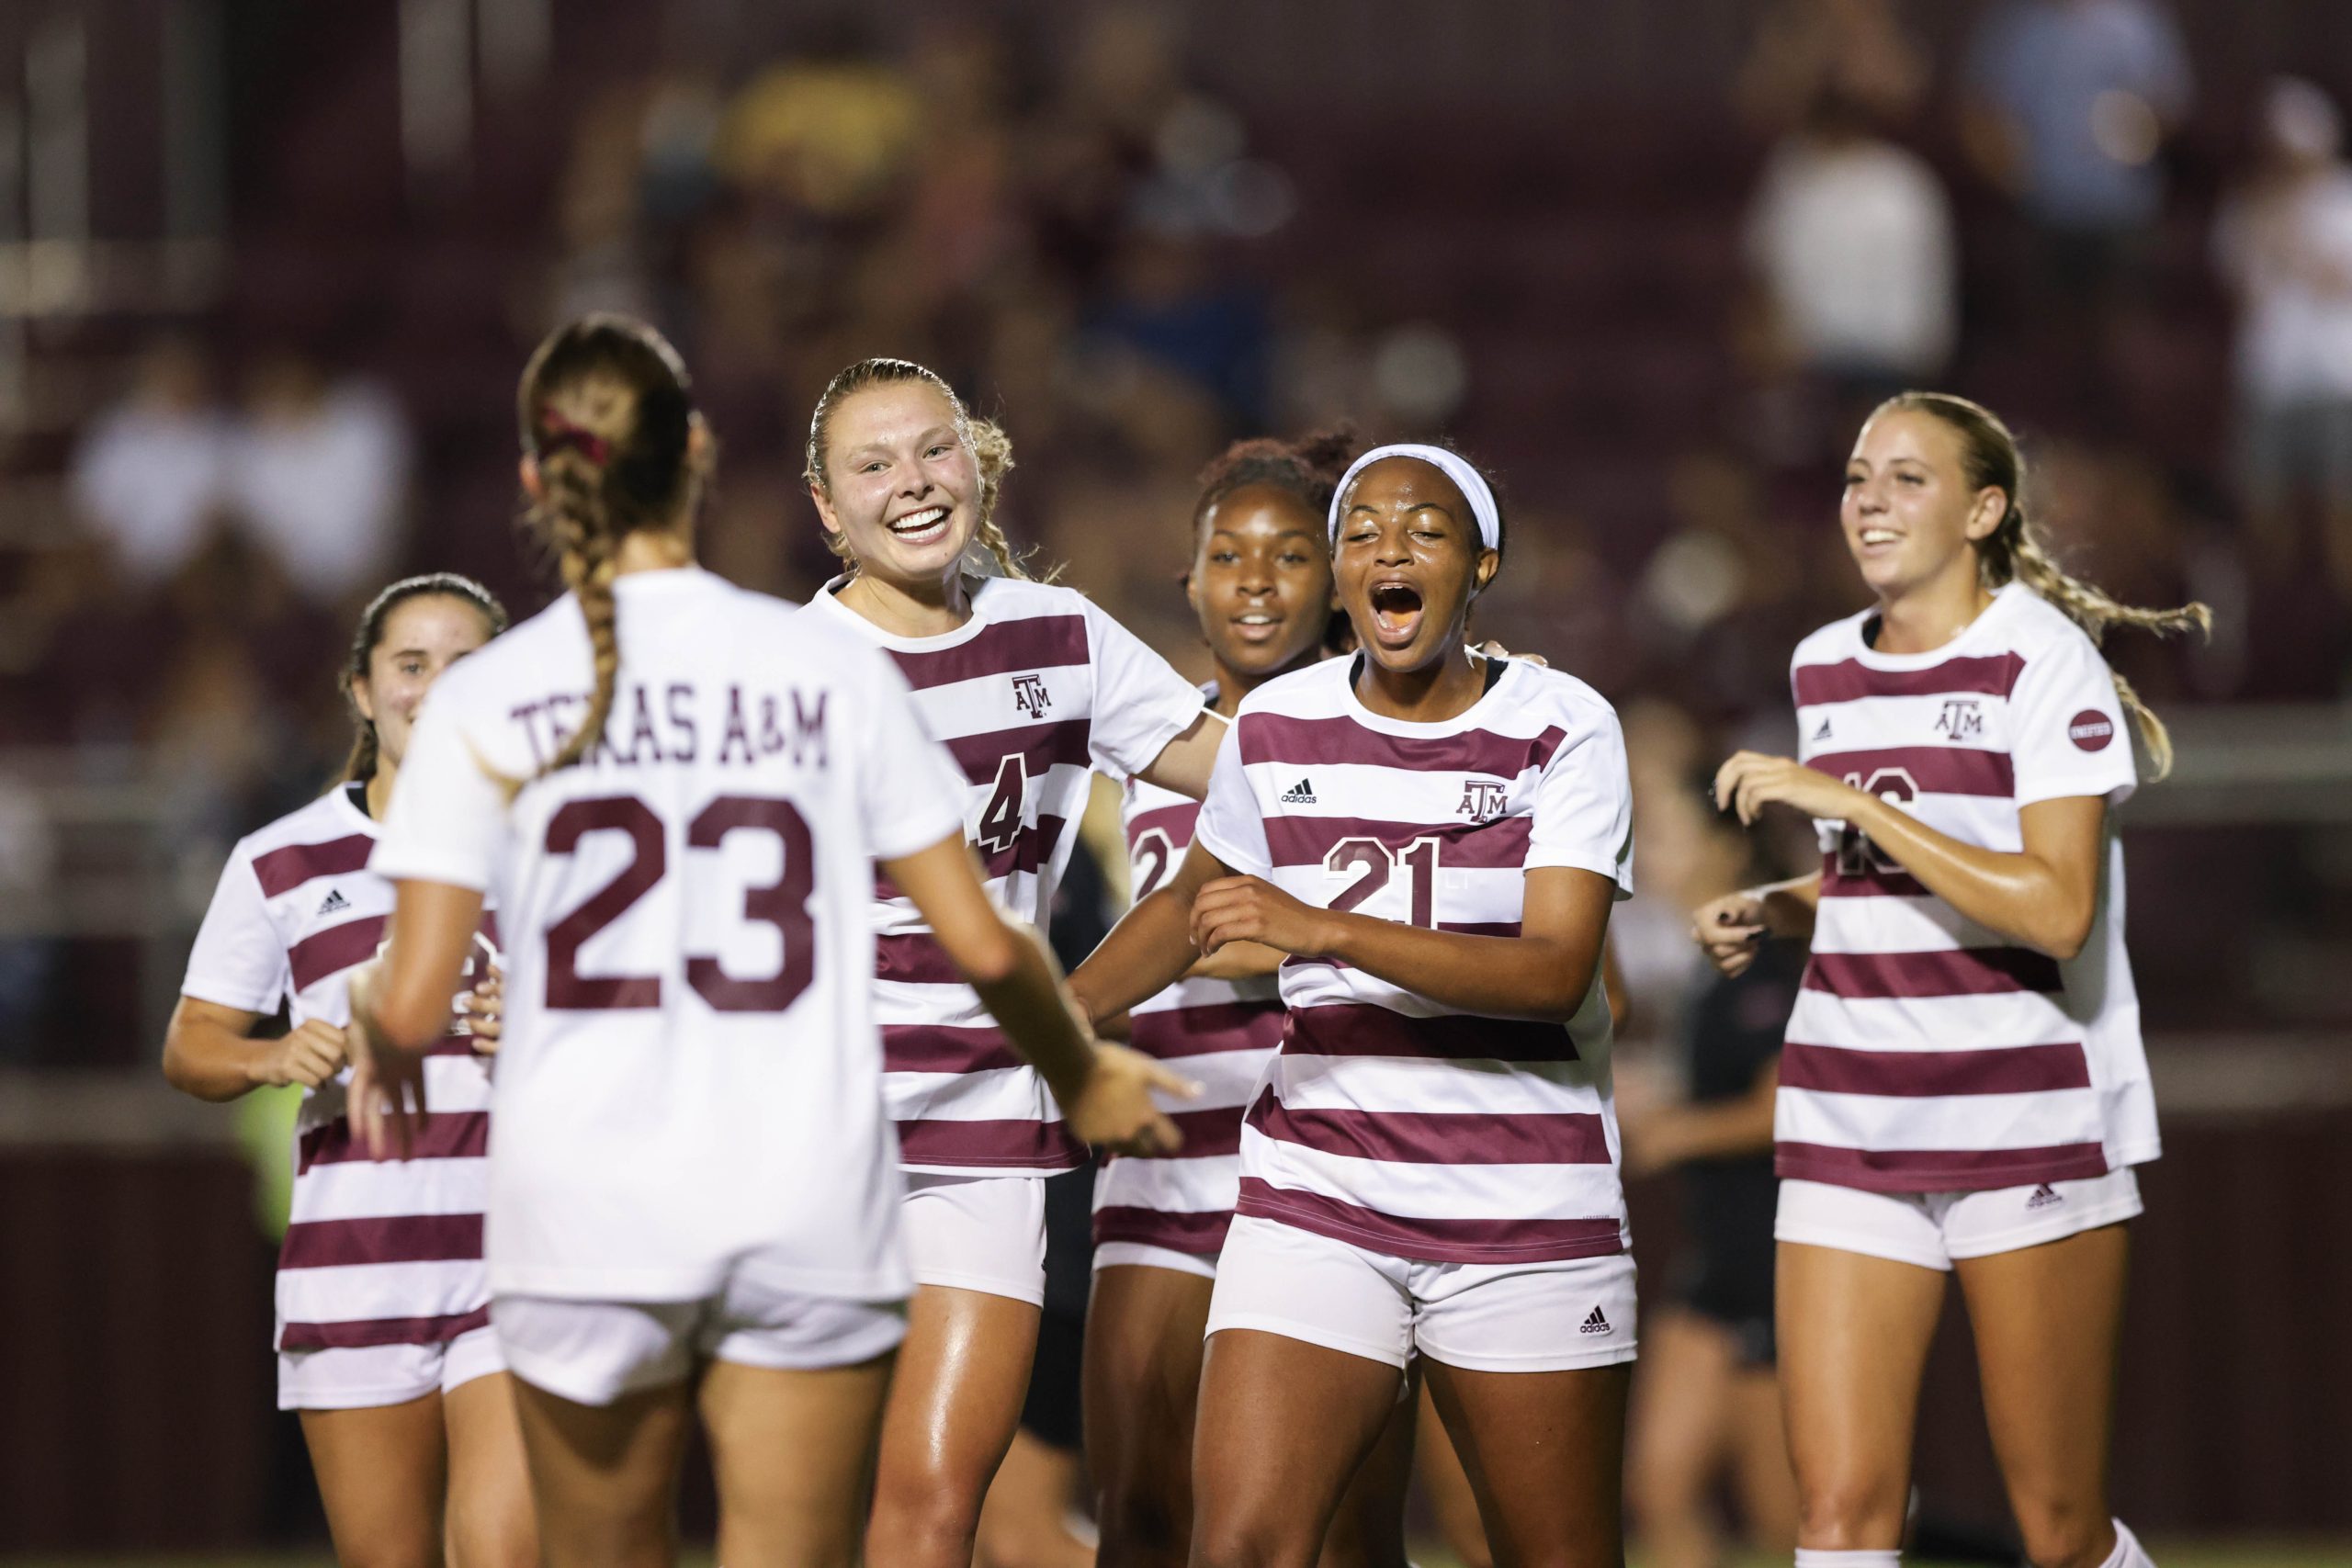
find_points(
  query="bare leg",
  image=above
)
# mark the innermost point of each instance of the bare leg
(1368, 1531)
(1682, 1417)
(1144, 1347)
(492, 1524)
(1448, 1487)
(605, 1476)
(1283, 1426)
(2047, 1320)
(793, 1452)
(1025, 1522)
(1760, 1457)
(953, 1409)
(1545, 1452)
(382, 1474)
(1853, 1332)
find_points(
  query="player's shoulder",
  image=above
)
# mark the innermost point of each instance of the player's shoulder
(1019, 598)
(2032, 627)
(1828, 645)
(330, 817)
(1552, 694)
(547, 647)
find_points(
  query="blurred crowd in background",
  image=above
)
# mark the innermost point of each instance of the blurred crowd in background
(1659, 323)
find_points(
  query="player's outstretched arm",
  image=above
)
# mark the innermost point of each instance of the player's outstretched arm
(1183, 764)
(1151, 947)
(1105, 1091)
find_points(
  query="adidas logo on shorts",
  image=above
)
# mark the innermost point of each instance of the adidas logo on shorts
(1597, 1324)
(2044, 1196)
(335, 902)
(1300, 794)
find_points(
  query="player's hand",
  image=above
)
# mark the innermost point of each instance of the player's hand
(309, 1055)
(486, 1011)
(1113, 1109)
(1249, 908)
(386, 1093)
(1730, 930)
(1749, 781)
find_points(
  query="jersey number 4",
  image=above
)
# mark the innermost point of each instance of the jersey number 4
(783, 904)
(1000, 827)
(1374, 863)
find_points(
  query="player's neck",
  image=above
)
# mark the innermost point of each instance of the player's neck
(1232, 684)
(380, 788)
(1926, 617)
(931, 608)
(1443, 689)
(647, 549)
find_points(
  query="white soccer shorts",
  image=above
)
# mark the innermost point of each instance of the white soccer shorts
(978, 1233)
(594, 1352)
(1484, 1317)
(362, 1377)
(1931, 1229)
(1144, 1255)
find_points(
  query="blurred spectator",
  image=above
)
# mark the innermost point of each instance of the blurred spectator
(1856, 49)
(147, 476)
(2284, 243)
(1853, 237)
(2070, 103)
(317, 473)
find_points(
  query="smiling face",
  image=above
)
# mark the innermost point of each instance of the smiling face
(1407, 561)
(1910, 516)
(901, 485)
(1260, 579)
(421, 636)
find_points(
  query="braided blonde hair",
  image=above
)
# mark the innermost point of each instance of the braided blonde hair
(991, 451)
(2017, 551)
(607, 414)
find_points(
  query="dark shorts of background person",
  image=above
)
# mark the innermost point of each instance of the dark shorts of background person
(1725, 1273)
(1051, 1411)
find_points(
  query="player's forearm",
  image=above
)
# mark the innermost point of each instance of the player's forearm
(1542, 978)
(1789, 907)
(1149, 949)
(209, 1061)
(1027, 1002)
(2018, 895)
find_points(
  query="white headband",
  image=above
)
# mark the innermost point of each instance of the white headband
(1466, 479)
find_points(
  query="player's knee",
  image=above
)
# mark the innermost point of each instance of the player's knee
(925, 1511)
(1148, 1524)
(1661, 1486)
(1858, 1513)
(2063, 1534)
(1237, 1542)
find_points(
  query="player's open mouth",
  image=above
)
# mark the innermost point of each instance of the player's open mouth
(1395, 612)
(924, 527)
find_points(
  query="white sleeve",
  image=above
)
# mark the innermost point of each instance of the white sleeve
(909, 790)
(238, 960)
(1230, 826)
(1584, 807)
(447, 821)
(1140, 703)
(2067, 732)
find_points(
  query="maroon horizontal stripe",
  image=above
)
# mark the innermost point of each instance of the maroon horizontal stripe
(943, 1048)
(1305, 742)
(915, 957)
(1949, 972)
(2000, 1069)
(1873, 883)
(1176, 821)
(1042, 746)
(1436, 1241)
(1208, 1134)
(1003, 648)
(440, 1135)
(336, 949)
(1434, 1137)
(1360, 1029)
(364, 1332)
(401, 1238)
(281, 871)
(1848, 680)
(1306, 841)
(1936, 1170)
(1171, 1032)
(1935, 770)
(1014, 1145)
(1199, 1231)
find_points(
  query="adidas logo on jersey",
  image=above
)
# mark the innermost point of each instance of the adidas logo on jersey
(2044, 1196)
(335, 902)
(1300, 794)
(1596, 1323)
(1822, 733)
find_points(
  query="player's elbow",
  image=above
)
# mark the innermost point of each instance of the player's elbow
(180, 1069)
(990, 956)
(2065, 926)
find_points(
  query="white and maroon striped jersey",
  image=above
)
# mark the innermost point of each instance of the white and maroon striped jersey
(1926, 1053)
(1035, 691)
(1387, 1119)
(689, 1081)
(1221, 1034)
(374, 1254)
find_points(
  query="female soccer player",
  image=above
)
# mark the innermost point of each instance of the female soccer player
(1031, 687)
(1963, 1089)
(681, 790)
(1435, 838)
(383, 1314)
